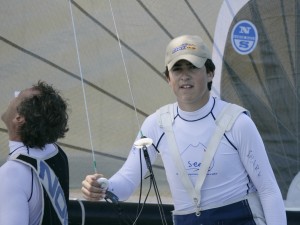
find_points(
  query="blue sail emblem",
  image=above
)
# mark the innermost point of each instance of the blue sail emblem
(244, 37)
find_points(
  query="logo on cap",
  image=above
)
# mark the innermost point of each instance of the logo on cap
(244, 37)
(184, 47)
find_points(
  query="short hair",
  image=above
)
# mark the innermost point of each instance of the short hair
(46, 117)
(210, 67)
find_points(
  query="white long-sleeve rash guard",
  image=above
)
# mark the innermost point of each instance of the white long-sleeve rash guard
(240, 165)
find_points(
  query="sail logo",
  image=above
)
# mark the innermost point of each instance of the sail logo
(244, 37)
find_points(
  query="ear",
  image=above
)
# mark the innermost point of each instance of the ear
(19, 120)
(210, 75)
(168, 79)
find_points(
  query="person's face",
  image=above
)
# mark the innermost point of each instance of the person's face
(189, 84)
(11, 118)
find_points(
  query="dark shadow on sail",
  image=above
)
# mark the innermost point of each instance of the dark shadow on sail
(266, 81)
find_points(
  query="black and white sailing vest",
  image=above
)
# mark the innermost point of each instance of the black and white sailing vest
(53, 174)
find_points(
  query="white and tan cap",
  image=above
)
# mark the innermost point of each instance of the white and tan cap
(189, 47)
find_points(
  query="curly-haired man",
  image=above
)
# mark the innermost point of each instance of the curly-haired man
(34, 182)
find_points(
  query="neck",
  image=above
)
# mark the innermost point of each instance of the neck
(13, 136)
(193, 106)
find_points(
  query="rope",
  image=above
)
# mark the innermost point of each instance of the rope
(83, 89)
(82, 211)
(132, 99)
(125, 68)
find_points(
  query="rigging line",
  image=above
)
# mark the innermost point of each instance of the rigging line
(134, 105)
(83, 89)
(127, 46)
(125, 68)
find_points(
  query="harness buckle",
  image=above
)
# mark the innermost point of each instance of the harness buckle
(198, 209)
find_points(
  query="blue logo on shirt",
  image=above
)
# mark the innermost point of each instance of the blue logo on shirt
(244, 37)
(55, 191)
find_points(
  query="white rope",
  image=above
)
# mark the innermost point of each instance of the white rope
(125, 67)
(82, 210)
(82, 80)
(144, 141)
(83, 89)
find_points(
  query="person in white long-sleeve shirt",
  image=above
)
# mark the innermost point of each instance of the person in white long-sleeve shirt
(239, 186)
(35, 119)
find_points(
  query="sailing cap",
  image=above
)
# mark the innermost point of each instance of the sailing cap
(188, 47)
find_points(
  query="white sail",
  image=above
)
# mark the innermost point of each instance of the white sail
(37, 42)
